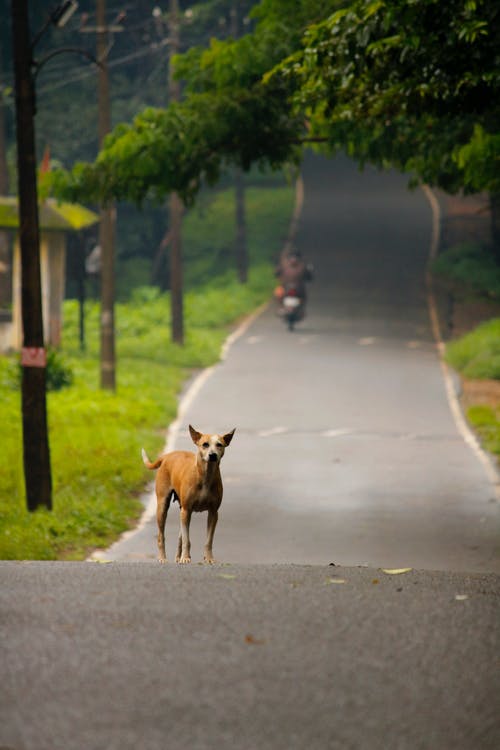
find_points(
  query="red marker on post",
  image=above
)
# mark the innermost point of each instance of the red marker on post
(33, 356)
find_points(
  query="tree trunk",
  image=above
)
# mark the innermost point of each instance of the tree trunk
(176, 275)
(239, 185)
(175, 203)
(495, 224)
(5, 260)
(241, 229)
(107, 223)
(35, 434)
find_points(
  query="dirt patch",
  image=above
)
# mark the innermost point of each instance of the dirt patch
(468, 314)
(475, 392)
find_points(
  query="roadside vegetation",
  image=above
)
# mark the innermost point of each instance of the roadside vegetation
(470, 270)
(95, 435)
(477, 356)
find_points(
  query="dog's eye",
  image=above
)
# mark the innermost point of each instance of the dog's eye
(205, 445)
(219, 445)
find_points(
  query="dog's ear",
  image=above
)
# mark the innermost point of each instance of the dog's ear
(195, 435)
(227, 438)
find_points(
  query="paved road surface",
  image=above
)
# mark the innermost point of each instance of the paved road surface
(131, 656)
(346, 450)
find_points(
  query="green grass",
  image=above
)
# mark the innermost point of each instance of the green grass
(486, 422)
(96, 436)
(477, 354)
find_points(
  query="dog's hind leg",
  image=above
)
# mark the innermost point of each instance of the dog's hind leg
(212, 519)
(163, 504)
(184, 547)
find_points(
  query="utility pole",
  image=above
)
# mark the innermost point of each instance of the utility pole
(108, 215)
(175, 204)
(37, 473)
(5, 263)
(239, 188)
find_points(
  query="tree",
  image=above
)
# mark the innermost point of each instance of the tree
(399, 76)
(413, 85)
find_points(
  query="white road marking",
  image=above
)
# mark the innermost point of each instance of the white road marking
(337, 433)
(272, 431)
(453, 402)
(173, 430)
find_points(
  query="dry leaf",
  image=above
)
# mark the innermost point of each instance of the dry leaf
(253, 641)
(226, 575)
(461, 597)
(334, 580)
(396, 571)
(375, 580)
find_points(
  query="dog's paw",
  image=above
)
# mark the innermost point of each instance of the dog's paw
(184, 560)
(162, 560)
(209, 560)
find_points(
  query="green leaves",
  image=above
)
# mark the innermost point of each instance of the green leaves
(413, 84)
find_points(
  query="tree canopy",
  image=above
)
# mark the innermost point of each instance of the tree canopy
(410, 83)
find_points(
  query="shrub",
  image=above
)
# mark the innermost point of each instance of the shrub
(59, 372)
(472, 265)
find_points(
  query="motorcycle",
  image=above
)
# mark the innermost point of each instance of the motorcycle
(292, 307)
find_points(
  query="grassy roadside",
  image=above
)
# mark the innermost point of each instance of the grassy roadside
(95, 437)
(476, 356)
(471, 278)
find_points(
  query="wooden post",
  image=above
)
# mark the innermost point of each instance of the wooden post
(38, 478)
(107, 223)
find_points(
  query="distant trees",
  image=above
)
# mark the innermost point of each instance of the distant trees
(413, 85)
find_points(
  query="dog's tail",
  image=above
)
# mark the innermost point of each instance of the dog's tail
(151, 464)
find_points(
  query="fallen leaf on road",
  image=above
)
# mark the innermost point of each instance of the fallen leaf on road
(253, 641)
(226, 575)
(375, 580)
(334, 580)
(396, 571)
(103, 562)
(461, 597)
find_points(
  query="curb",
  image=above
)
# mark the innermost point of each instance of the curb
(451, 380)
(194, 388)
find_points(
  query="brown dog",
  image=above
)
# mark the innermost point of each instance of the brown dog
(193, 480)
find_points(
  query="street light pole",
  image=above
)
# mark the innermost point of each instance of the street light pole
(37, 473)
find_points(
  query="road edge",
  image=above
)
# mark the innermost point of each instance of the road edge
(192, 391)
(453, 402)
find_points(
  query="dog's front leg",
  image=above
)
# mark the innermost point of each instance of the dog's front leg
(163, 504)
(184, 542)
(212, 519)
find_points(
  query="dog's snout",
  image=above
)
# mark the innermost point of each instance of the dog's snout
(213, 456)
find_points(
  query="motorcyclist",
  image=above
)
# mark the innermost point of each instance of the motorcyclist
(293, 272)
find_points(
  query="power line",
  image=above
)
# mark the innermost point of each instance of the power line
(151, 49)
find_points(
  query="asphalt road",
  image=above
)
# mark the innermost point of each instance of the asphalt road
(132, 655)
(345, 449)
(345, 452)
